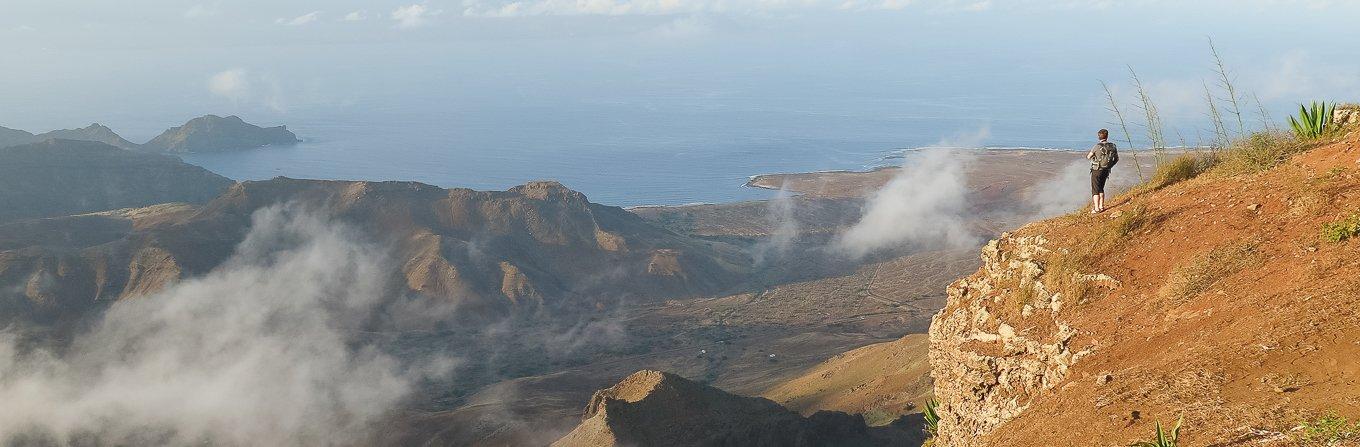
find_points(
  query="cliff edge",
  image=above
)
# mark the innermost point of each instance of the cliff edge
(1225, 299)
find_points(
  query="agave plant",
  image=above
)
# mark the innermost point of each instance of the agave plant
(932, 416)
(1313, 120)
(1163, 438)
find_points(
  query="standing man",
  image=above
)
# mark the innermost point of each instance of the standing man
(1103, 157)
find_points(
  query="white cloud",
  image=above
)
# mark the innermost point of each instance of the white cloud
(1298, 76)
(924, 204)
(686, 27)
(200, 11)
(517, 8)
(411, 16)
(356, 16)
(264, 350)
(300, 20)
(24, 29)
(233, 84)
(242, 86)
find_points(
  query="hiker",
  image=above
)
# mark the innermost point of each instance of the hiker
(1103, 156)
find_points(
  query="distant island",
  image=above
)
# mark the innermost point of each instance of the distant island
(212, 133)
(208, 133)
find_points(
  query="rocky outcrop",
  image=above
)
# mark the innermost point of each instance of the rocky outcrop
(1001, 341)
(1346, 115)
(654, 408)
(62, 177)
(212, 133)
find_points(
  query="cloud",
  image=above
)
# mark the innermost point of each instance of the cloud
(687, 27)
(201, 11)
(356, 16)
(232, 84)
(1062, 193)
(780, 212)
(923, 204)
(242, 86)
(965, 140)
(264, 350)
(411, 16)
(300, 20)
(1299, 76)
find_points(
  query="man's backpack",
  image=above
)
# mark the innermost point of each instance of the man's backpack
(1105, 156)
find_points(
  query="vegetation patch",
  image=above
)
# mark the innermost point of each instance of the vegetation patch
(932, 419)
(1258, 152)
(1202, 272)
(1313, 121)
(1180, 168)
(1327, 430)
(1341, 230)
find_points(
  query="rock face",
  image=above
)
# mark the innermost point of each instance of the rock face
(987, 371)
(534, 248)
(654, 408)
(211, 133)
(94, 132)
(61, 177)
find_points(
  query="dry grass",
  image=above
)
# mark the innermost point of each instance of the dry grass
(1066, 271)
(1205, 270)
(1258, 152)
(1181, 168)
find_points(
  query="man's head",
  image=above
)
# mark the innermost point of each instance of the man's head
(1103, 134)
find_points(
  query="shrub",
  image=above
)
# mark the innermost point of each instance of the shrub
(1196, 276)
(1327, 430)
(1258, 152)
(1181, 168)
(1313, 120)
(1162, 438)
(1341, 230)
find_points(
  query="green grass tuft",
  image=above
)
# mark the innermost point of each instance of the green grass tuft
(1341, 230)
(1327, 430)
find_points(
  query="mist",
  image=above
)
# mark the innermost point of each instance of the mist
(925, 203)
(1061, 193)
(784, 228)
(264, 350)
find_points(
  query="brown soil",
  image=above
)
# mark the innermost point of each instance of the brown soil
(1263, 340)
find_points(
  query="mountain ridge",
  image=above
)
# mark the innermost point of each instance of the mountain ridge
(207, 133)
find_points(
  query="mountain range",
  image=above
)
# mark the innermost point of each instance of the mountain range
(208, 133)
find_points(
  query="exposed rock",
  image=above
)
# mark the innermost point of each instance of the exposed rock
(212, 133)
(654, 408)
(986, 370)
(61, 177)
(1346, 115)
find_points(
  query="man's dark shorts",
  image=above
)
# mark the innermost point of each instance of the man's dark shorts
(1098, 178)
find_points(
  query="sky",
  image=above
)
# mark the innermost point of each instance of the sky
(142, 65)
